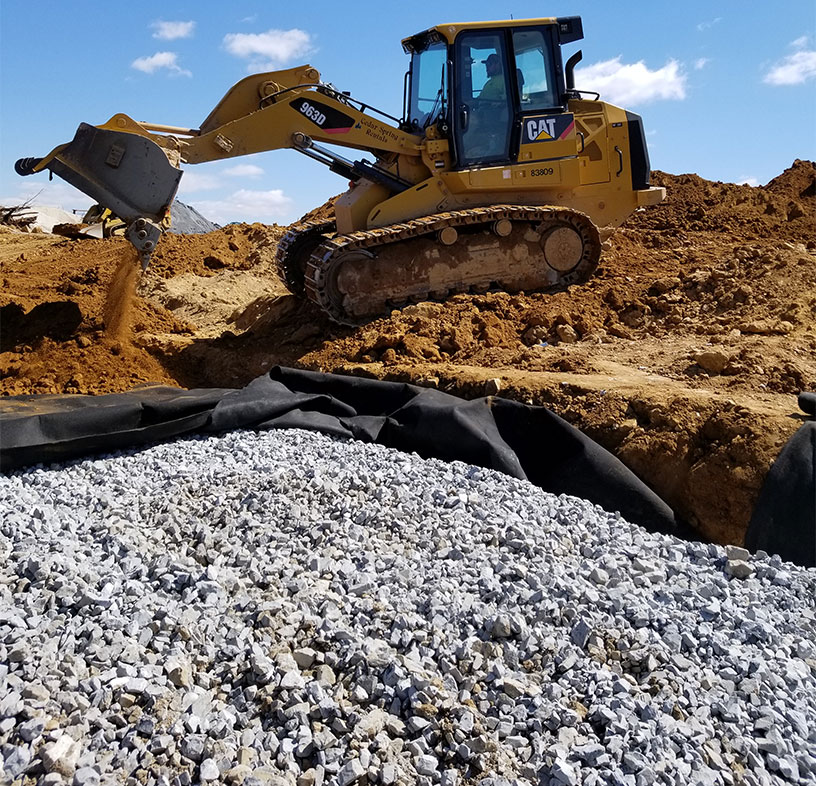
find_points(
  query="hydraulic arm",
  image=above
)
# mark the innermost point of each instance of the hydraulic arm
(133, 167)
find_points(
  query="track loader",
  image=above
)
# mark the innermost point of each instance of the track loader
(497, 175)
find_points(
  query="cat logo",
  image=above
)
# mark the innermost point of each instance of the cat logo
(547, 128)
(541, 129)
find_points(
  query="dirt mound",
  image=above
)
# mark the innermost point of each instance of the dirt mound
(796, 182)
(55, 335)
(234, 247)
(323, 213)
(682, 354)
(741, 211)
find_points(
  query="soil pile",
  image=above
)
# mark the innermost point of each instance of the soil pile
(682, 355)
(55, 289)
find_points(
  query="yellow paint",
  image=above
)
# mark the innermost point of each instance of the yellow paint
(449, 30)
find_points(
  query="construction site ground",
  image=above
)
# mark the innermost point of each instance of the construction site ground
(682, 356)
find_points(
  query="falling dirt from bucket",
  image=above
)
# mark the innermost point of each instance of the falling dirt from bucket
(118, 311)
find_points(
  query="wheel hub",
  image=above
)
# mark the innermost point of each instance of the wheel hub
(563, 248)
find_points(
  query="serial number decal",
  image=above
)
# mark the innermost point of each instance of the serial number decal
(331, 120)
(313, 114)
(542, 172)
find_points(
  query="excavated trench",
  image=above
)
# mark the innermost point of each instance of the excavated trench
(683, 355)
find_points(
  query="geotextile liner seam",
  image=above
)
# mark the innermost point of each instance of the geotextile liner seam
(523, 441)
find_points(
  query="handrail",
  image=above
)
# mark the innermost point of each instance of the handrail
(331, 92)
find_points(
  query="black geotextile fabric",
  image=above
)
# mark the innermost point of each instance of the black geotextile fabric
(519, 440)
(784, 519)
(46, 429)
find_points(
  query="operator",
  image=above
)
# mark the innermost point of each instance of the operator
(488, 132)
(495, 89)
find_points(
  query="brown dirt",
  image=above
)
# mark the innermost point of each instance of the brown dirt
(117, 312)
(682, 355)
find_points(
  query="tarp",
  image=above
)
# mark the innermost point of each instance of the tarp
(526, 442)
(784, 519)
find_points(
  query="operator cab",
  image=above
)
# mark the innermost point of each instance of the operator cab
(493, 87)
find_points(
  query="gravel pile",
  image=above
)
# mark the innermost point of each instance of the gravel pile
(285, 608)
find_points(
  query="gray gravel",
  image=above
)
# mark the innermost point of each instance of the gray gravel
(288, 609)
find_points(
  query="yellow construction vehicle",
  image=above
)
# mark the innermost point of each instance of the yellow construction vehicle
(102, 222)
(498, 175)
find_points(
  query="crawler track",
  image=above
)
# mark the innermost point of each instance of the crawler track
(363, 275)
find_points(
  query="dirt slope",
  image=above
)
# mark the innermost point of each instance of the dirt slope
(682, 355)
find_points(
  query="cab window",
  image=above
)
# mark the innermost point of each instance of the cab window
(483, 113)
(534, 70)
(484, 74)
(429, 85)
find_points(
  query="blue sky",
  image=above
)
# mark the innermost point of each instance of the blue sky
(726, 89)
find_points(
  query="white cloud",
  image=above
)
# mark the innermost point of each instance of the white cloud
(169, 31)
(631, 84)
(244, 170)
(708, 25)
(800, 43)
(793, 69)
(158, 61)
(247, 206)
(747, 180)
(700, 63)
(270, 49)
(192, 182)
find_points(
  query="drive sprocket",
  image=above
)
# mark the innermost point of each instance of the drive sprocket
(295, 248)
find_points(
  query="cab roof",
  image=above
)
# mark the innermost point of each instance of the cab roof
(569, 29)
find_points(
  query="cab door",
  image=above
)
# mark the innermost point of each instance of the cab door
(547, 131)
(483, 112)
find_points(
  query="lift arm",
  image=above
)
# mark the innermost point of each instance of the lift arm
(133, 168)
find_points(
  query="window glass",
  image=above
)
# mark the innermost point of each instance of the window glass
(483, 112)
(429, 85)
(487, 81)
(534, 70)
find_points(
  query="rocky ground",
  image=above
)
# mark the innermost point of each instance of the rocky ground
(288, 609)
(682, 355)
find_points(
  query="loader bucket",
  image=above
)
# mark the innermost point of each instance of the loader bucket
(127, 173)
